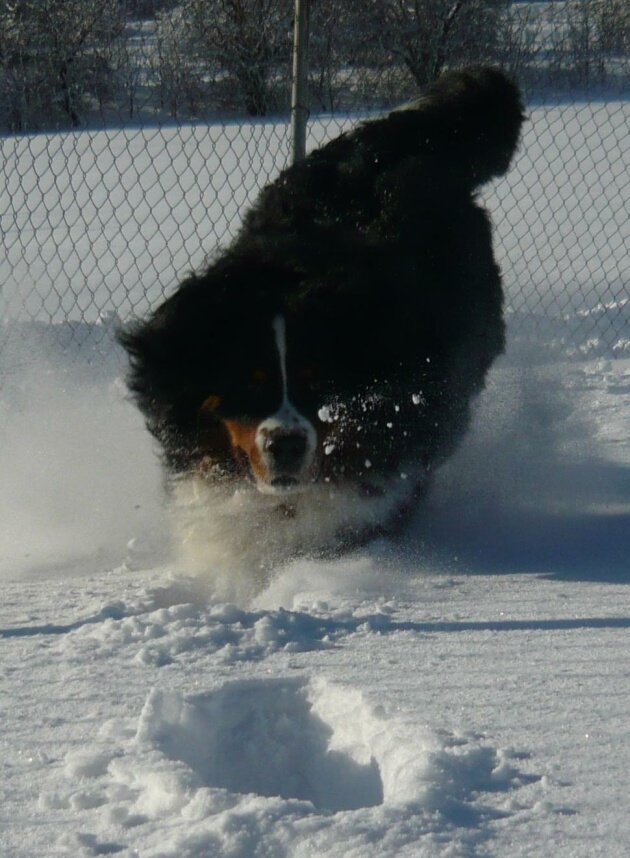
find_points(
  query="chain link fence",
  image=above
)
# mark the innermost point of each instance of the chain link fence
(135, 134)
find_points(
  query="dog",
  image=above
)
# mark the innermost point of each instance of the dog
(302, 387)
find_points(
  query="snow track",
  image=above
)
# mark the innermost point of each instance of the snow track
(441, 716)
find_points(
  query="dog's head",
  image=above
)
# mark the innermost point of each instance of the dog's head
(259, 370)
(272, 438)
(235, 381)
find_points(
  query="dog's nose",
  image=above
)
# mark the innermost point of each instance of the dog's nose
(287, 450)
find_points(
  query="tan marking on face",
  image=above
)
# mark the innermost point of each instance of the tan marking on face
(243, 439)
(211, 403)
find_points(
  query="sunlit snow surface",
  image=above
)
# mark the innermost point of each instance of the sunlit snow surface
(463, 692)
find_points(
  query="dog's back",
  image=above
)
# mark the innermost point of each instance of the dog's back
(462, 129)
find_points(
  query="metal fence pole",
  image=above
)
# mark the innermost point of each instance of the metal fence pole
(299, 110)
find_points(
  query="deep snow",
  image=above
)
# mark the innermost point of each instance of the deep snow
(463, 692)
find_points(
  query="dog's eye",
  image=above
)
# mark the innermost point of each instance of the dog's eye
(310, 375)
(259, 376)
(211, 403)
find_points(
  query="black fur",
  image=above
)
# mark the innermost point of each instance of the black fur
(376, 253)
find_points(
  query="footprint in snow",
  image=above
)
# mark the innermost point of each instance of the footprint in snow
(269, 737)
(265, 757)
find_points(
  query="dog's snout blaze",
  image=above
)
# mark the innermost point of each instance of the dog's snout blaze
(287, 450)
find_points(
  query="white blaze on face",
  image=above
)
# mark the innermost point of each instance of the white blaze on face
(280, 333)
(286, 422)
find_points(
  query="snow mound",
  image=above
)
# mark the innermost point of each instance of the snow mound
(276, 738)
(164, 635)
(254, 766)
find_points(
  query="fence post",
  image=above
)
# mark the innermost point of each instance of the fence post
(299, 110)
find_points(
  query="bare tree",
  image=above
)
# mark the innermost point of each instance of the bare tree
(251, 40)
(613, 20)
(180, 63)
(426, 35)
(336, 29)
(58, 54)
(597, 35)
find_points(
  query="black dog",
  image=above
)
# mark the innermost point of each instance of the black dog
(303, 384)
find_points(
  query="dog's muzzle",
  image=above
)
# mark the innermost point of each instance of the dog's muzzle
(287, 451)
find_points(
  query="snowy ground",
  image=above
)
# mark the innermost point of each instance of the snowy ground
(461, 693)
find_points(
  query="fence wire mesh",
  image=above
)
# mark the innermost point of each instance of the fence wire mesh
(135, 134)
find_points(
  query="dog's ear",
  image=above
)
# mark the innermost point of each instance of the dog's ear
(149, 345)
(170, 348)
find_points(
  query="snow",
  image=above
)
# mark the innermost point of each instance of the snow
(460, 692)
